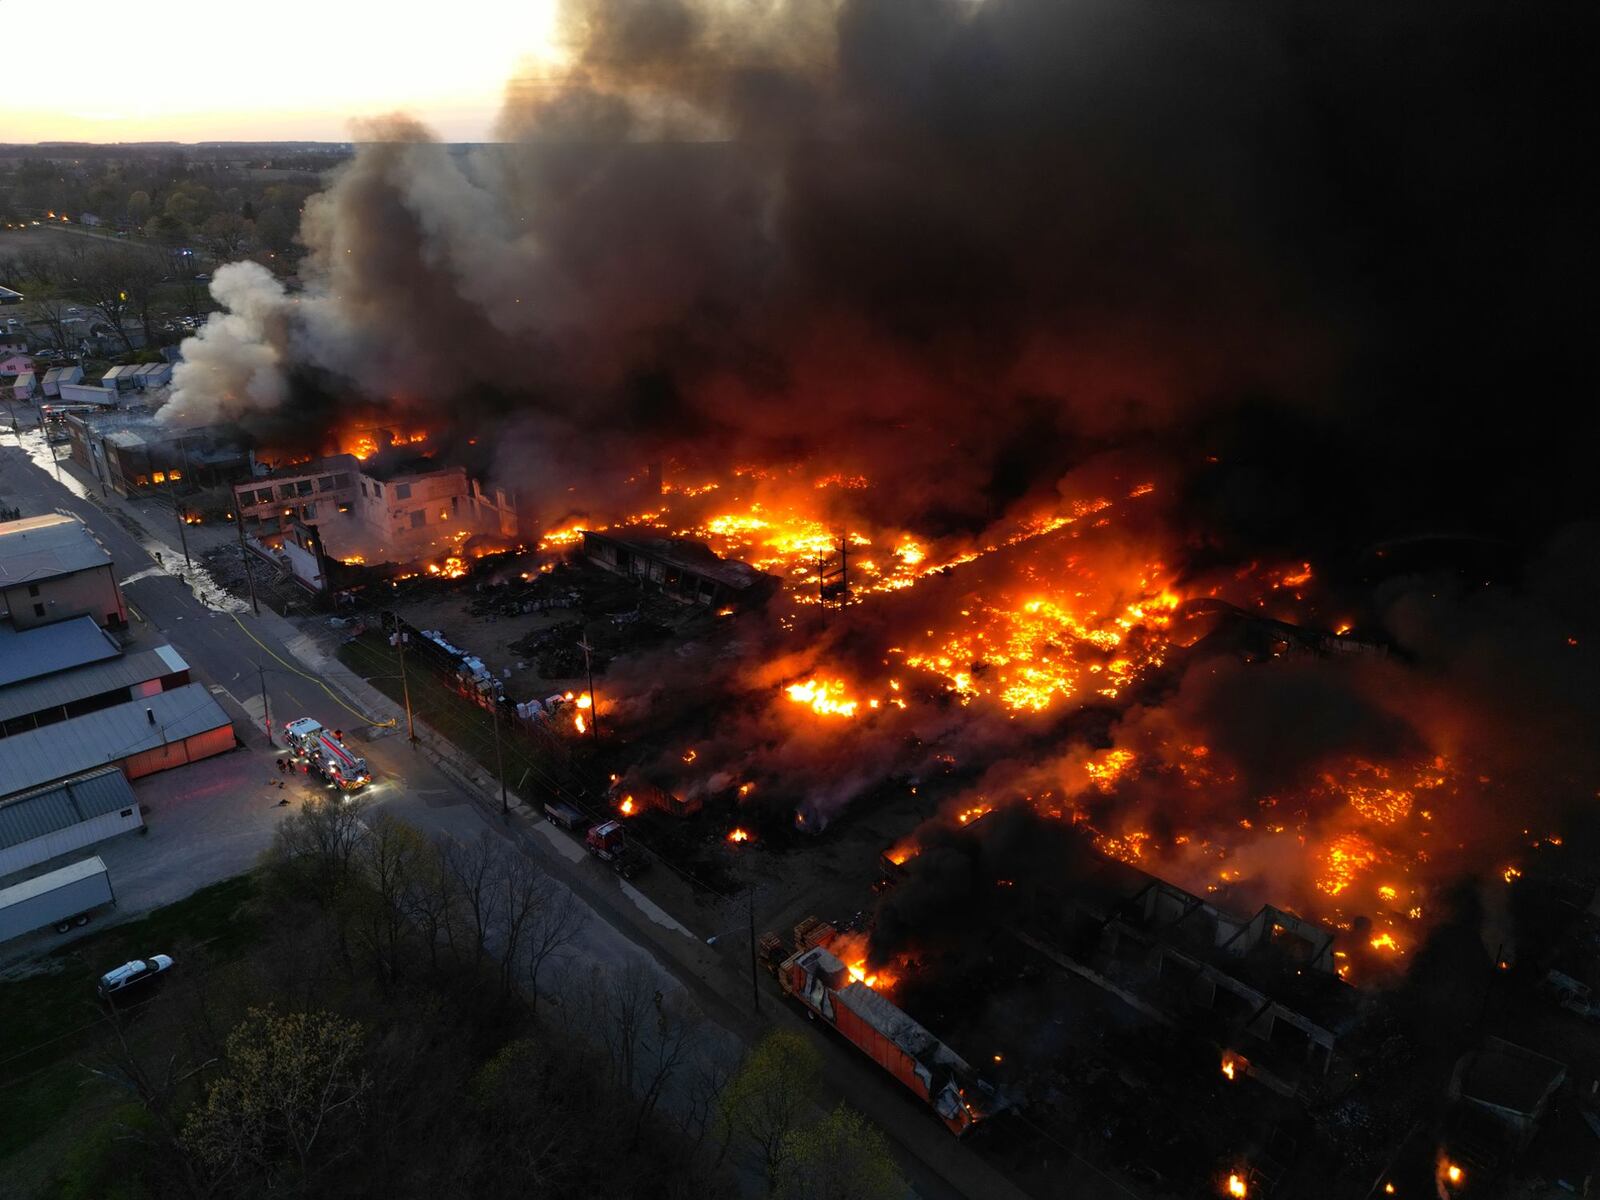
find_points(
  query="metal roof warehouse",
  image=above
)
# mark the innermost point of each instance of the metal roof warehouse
(75, 692)
(32, 653)
(60, 805)
(37, 548)
(142, 736)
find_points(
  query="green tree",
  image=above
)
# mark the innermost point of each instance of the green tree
(762, 1105)
(841, 1157)
(139, 208)
(289, 1082)
(183, 209)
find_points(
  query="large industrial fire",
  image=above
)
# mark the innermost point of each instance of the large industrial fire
(1089, 492)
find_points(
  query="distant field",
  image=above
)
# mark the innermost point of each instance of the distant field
(49, 237)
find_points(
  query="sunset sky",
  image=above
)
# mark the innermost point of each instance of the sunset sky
(105, 71)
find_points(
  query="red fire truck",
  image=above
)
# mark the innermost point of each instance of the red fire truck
(322, 751)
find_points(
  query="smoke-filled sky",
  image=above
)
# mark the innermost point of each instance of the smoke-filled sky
(960, 237)
(1318, 273)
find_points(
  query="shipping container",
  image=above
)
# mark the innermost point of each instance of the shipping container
(55, 898)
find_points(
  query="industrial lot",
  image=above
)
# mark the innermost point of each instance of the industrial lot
(552, 635)
(869, 602)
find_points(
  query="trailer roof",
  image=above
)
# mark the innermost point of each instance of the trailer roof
(48, 810)
(50, 880)
(878, 1011)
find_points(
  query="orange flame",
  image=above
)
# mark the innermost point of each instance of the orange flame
(826, 697)
(738, 835)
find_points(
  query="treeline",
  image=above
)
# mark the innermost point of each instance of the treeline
(124, 288)
(412, 1026)
(174, 197)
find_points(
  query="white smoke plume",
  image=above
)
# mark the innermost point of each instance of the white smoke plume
(234, 365)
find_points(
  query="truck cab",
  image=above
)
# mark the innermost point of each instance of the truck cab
(608, 842)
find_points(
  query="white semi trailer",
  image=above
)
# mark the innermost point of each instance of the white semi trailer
(57, 898)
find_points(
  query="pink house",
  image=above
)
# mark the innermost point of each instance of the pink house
(16, 364)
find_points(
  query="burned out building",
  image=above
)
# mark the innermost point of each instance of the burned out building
(131, 453)
(342, 508)
(1265, 986)
(307, 492)
(682, 568)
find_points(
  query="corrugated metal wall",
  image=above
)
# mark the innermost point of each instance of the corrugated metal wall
(175, 754)
(63, 841)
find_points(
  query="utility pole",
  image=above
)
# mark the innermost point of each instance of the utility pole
(827, 572)
(244, 555)
(266, 714)
(499, 762)
(183, 534)
(755, 990)
(594, 701)
(401, 637)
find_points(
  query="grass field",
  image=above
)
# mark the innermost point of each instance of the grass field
(52, 1018)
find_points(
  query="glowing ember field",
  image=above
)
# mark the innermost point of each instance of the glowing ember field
(1043, 622)
(1041, 615)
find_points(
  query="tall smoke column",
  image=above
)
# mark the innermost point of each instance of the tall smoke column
(234, 365)
(949, 238)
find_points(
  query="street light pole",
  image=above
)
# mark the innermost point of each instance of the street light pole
(244, 555)
(594, 701)
(401, 637)
(266, 715)
(750, 909)
(499, 762)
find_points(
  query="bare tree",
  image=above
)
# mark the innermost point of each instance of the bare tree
(118, 285)
(425, 897)
(646, 1036)
(226, 235)
(393, 859)
(158, 1079)
(525, 892)
(42, 267)
(50, 307)
(556, 923)
(474, 871)
(320, 843)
